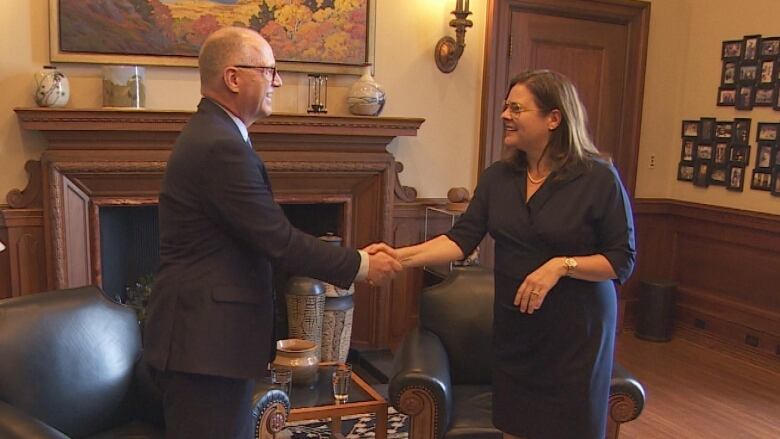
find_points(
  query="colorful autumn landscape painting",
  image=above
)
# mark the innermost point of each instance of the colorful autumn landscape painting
(308, 31)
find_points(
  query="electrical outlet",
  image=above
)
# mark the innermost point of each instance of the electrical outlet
(652, 161)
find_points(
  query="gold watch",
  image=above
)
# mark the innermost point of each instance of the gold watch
(570, 264)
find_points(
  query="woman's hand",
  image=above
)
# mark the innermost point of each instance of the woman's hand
(531, 293)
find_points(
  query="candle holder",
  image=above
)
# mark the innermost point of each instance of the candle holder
(448, 50)
(318, 93)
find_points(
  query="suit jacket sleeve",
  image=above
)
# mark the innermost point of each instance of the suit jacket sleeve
(238, 197)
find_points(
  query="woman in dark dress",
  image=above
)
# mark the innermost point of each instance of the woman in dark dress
(564, 236)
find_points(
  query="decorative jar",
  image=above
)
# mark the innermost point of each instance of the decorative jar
(123, 86)
(301, 357)
(52, 88)
(305, 299)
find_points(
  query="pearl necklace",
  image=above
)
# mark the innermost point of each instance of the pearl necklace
(532, 180)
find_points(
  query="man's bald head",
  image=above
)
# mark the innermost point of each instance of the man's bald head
(226, 47)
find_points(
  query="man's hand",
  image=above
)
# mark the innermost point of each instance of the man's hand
(382, 263)
(377, 247)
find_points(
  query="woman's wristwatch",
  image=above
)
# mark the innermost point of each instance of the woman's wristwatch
(570, 264)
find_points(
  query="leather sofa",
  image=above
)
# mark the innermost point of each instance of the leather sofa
(441, 371)
(70, 367)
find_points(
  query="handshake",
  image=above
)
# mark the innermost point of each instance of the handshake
(383, 263)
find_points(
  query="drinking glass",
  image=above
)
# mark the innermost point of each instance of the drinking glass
(281, 377)
(342, 376)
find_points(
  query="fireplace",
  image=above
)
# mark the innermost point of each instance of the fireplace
(99, 162)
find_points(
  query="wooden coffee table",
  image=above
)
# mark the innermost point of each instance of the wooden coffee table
(316, 402)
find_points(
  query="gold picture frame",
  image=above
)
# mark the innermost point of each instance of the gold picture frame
(66, 49)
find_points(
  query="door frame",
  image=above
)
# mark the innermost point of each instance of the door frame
(634, 14)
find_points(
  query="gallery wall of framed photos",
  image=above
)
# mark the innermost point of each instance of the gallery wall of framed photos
(750, 74)
(718, 152)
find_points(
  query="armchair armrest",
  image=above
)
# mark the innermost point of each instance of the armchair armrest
(270, 409)
(626, 399)
(421, 385)
(15, 424)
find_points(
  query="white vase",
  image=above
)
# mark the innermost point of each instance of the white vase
(366, 97)
(52, 88)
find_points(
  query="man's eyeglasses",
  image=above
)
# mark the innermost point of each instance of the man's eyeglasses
(516, 109)
(263, 68)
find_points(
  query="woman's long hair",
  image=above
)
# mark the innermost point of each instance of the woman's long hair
(570, 143)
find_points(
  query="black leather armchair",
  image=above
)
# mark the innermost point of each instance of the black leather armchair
(70, 367)
(441, 376)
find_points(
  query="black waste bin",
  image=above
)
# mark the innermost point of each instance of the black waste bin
(656, 310)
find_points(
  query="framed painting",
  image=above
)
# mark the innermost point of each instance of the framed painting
(322, 36)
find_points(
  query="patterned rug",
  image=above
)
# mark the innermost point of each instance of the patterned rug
(357, 426)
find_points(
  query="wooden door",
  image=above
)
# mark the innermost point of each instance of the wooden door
(600, 45)
(591, 53)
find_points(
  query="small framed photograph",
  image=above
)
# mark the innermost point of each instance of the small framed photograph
(741, 130)
(748, 72)
(704, 152)
(701, 174)
(776, 105)
(720, 155)
(685, 171)
(761, 181)
(724, 129)
(765, 97)
(718, 176)
(744, 97)
(764, 156)
(728, 76)
(736, 178)
(739, 154)
(690, 128)
(775, 183)
(767, 131)
(732, 49)
(776, 160)
(727, 97)
(706, 129)
(688, 148)
(752, 43)
(770, 47)
(767, 71)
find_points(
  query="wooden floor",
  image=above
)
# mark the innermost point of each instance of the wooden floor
(699, 392)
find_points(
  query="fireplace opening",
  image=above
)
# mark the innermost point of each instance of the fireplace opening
(316, 219)
(129, 246)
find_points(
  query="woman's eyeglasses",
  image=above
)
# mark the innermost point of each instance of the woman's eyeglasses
(516, 109)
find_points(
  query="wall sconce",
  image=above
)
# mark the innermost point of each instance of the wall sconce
(318, 93)
(2, 246)
(449, 50)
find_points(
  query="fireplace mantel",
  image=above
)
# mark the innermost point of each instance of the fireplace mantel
(108, 157)
(68, 128)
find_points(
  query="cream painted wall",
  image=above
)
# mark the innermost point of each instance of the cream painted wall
(443, 155)
(683, 74)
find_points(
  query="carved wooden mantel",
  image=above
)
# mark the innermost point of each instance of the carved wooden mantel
(109, 157)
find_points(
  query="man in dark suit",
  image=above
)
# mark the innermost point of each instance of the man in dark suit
(209, 331)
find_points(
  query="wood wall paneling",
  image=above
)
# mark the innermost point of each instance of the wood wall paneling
(23, 263)
(725, 264)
